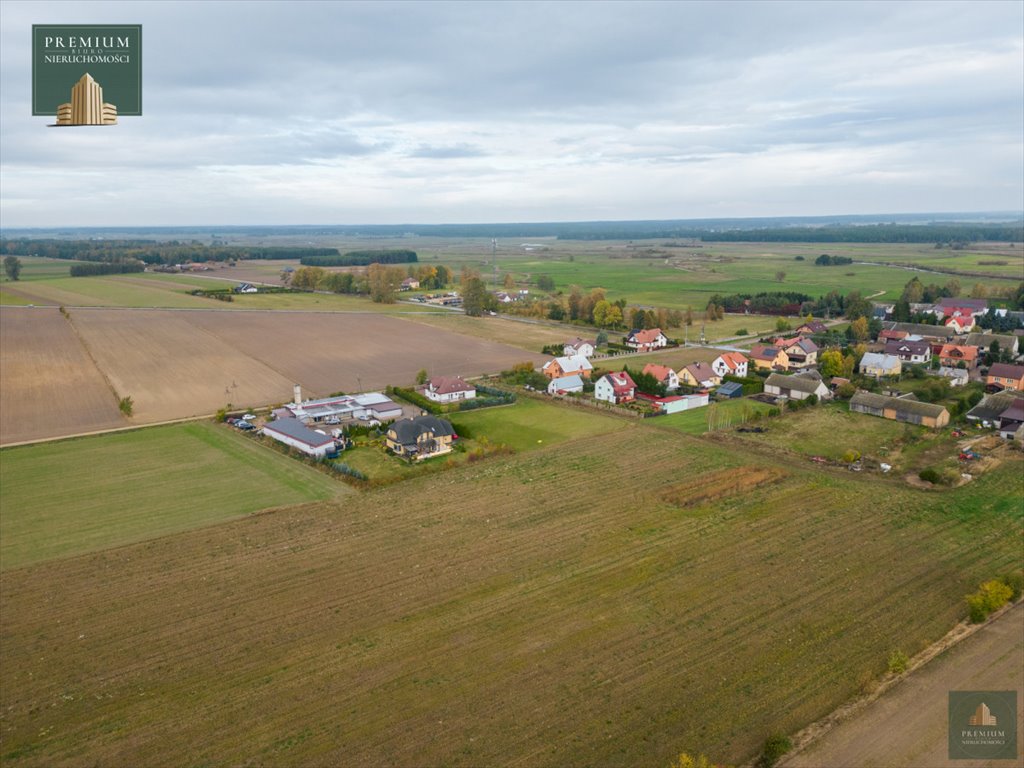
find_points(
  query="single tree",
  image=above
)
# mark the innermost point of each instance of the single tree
(12, 266)
(422, 376)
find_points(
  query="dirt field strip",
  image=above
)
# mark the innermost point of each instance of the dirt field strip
(903, 723)
(50, 386)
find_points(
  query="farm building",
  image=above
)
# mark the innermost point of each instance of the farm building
(729, 390)
(906, 409)
(294, 433)
(699, 375)
(420, 438)
(876, 364)
(584, 347)
(948, 304)
(566, 385)
(1006, 376)
(958, 377)
(910, 351)
(646, 340)
(676, 403)
(983, 341)
(558, 367)
(768, 357)
(797, 386)
(954, 354)
(938, 333)
(663, 374)
(448, 389)
(617, 387)
(1011, 419)
(730, 363)
(992, 407)
(368, 405)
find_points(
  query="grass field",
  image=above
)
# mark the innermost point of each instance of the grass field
(586, 604)
(715, 416)
(94, 493)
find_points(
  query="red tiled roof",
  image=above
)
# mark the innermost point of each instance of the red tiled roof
(446, 385)
(645, 337)
(660, 372)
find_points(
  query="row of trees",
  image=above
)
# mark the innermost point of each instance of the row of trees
(150, 251)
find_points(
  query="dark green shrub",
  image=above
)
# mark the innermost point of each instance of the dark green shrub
(775, 746)
(929, 475)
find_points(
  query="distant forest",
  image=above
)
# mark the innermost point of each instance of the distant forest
(149, 251)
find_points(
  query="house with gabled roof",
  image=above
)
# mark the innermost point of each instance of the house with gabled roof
(938, 333)
(584, 347)
(663, 374)
(960, 323)
(958, 377)
(767, 357)
(1006, 376)
(646, 340)
(876, 365)
(730, 364)
(948, 304)
(954, 354)
(797, 386)
(801, 351)
(983, 341)
(567, 366)
(566, 385)
(812, 327)
(448, 389)
(617, 387)
(913, 352)
(699, 375)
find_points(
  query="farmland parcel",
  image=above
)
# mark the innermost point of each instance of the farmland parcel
(583, 604)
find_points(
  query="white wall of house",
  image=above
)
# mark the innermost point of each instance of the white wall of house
(450, 397)
(318, 451)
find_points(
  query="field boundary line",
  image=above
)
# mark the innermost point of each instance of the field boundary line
(810, 734)
(129, 428)
(92, 357)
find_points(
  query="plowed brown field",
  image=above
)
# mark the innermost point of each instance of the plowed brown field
(49, 385)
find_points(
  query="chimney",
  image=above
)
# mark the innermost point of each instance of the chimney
(297, 392)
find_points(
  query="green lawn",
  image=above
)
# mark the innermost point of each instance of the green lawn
(696, 422)
(92, 493)
(531, 424)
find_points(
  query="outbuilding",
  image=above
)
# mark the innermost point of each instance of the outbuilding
(294, 433)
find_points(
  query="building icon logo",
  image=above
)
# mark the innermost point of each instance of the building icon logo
(98, 65)
(983, 716)
(86, 106)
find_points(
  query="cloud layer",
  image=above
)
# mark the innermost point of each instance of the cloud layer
(471, 112)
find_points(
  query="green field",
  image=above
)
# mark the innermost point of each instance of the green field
(717, 415)
(586, 603)
(91, 493)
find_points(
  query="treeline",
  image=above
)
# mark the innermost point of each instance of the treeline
(152, 252)
(360, 258)
(878, 233)
(764, 303)
(832, 261)
(88, 269)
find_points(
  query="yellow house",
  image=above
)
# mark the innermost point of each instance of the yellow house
(769, 358)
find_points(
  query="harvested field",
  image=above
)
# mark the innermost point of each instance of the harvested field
(544, 610)
(331, 352)
(50, 386)
(526, 335)
(723, 484)
(170, 367)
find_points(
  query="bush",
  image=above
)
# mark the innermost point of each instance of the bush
(742, 332)
(222, 416)
(126, 405)
(1015, 581)
(991, 596)
(929, 475)
(898, 662)
(851, 456)
(775, 746)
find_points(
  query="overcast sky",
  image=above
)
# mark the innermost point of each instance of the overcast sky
(345, 113)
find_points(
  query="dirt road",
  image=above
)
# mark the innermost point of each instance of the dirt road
(907, 726)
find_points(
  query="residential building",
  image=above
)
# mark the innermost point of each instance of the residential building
(646, 340)
(730, 364)
(1006, 376)
(938, 333)
(420, 437)
(584, 347)
(958, 377)
(801, 352)
(765, 357)
(699, 375)
(983, 341)
(616, 388)
(797, 386)
(913, 352)
(448, 389)
(663, 374)
(953, 354)
(876, 365)
(566, 385)
(567, 366)
(812, 327)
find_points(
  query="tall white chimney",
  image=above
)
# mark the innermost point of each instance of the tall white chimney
(297, 392)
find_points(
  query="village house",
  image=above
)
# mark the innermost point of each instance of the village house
(948, 305)
(953, 354)
(1006, 376)
(567, 366)
(906, 409)
(566, 385)
(812, 327)
(448, 389)
(797, 386)
(937, 333)
(914, 352)
(801, 352)
(769, 358)
(615, 388)
(699, 375)
(958, 377)
(646, 340)
(410, 284)
(960, 323)
(420, 437)
(876, 365)
(730, 364)
(584, 347)
(663, 374)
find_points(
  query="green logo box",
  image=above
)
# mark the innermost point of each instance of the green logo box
(110, 53)
(982, 725)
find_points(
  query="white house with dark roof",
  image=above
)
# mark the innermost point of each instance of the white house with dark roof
(294, 433)
(797, 386)
(448, 389)
(578, 346)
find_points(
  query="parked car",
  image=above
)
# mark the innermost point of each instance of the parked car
(332, 420)
(244, 425)
(249, 416)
